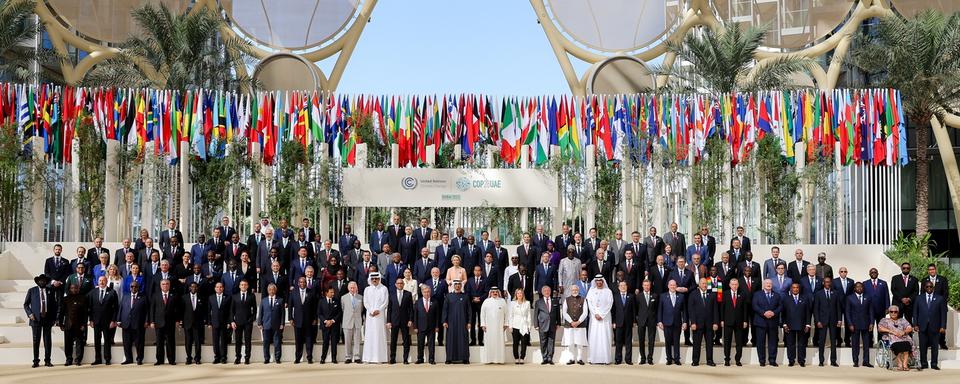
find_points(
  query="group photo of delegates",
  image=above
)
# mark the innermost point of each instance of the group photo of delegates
(453, 291)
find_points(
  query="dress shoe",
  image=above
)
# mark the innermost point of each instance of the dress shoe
(277, 361)
(334, 361)
(323, 360)
(404, 362)
(418, 362)
(695, 364)
(580, 362)
(237, 361)
(739, 364)
(138, 362)
(447, 362)
(868, 365)
(309, 360)
(543, 362)
(157, 363)
(266, 362)
(855, 365)
(570, 362)
(669, 362)
(802, 364)
(762, 364)
(834, 364)
(96, 362)
(643, 361)
(67, 364)
(49, 364)
(677, 362)
(629, 362)
(821, 364)
(392, 361)
(687, 343)
(173, 363)
(726, 363)
(617, 362)
(433, 362)
(126, 362)
(348, 361)
(935, 367)
(247, 361)
(189, 361)
(35, 365)
(78, 364)
(774, 364)
(650, 362)
(791, 364)
(296, 361)
(711, 364)
(481, 344)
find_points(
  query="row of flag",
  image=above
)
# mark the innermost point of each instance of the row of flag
(868, 124)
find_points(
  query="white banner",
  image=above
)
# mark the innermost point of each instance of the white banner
(427, 187)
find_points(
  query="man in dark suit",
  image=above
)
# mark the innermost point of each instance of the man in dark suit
(234, 248)
(330, 318)
(725, 269)
(930, 317)
(254, 240)
(194, 319)
(459, 240)
(422, 234)
(520, 280)
(632, 270)
(471, 253)
(843, 285)
(747, 261)
(57, 269)
(654, 245)
(564, 239)
(409, 247)
(243, 313)
(477, 292)
(270, 321)
(426, 319)
(709, 241)
(276, 277)
(879, 293)
(904, 288)
(395, 231)
(225, 228)
(599, 265)
(298, 266)
(744, 240)
(399, 321)
(545, 274)
(546, 319)
(859, 316)
(766, 306)
(163, 319)
(828, 318)
(72, 320)
(540, 238)
(303, 318)
(671, 318)
(41, 305)
(941, 288)
(345, 242)
(797, 269)
(750, 283)
(796, 325)
(169, 233)
(489, 268)
(647, 305)
(676, 240)
(810, 283)
(378, 237)
(120, 255)
(94, 252)
(734, 320)
(309, 234)
(217, 242)
(103, 304)
(219, 322)
(699, 248)
(704, 318)
(527, 252)
(132, 321)
(82, 258)
(624, 312)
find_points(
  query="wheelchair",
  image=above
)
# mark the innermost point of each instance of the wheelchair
(886, 359)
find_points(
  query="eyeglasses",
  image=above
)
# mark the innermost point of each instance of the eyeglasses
(894, 311)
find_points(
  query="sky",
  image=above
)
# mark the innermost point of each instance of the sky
(445, 46)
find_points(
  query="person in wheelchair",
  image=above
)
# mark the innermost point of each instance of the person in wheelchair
(897, 333)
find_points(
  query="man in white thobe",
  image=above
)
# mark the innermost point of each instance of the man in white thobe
(599, 334)
(510, 270)
(575, 313)
(493, 321)
(569, 271)
(375, 301)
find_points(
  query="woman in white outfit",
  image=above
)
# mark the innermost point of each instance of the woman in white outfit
(520, 321)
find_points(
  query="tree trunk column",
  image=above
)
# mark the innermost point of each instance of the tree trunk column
(186, 192)
(37, 196)
(949, 165)
(146, 202)
(840, 203)
(73, 216)
(323, 222)
(801, 227)
(255, 198)
(590, 212)
(111, 195)
(524, 164)
(360, 213)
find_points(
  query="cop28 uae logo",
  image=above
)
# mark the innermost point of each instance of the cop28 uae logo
(408, 183)
(463, 184)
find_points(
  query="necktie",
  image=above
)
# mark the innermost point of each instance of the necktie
(748, 285)
(929, 299)
(860, 297)
(681, 275)
(578, 249)
(646, 296)
(309, 283)
(733, 296)
(434, 284)
(43, 302)
(673, 299)
(780, 278)
(102, 293)
(661, 271)
(812, 284)
(704, 294)
(769, 296)
(303, 296)
(219, 300)
(874, 284)
(796, 300)
(133, 299)
(303, 265)
(548, 303)
(164, 299)
(193, 301)
(629, 266)
(623, 299)
(828, 294)
(243, 297)
(905, 280)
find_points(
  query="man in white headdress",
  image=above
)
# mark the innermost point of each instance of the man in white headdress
(493, 320)
(375, 301)
(575, 313)
(599, 334)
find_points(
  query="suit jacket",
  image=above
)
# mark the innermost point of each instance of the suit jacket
(352, 311)
(678, 243)
(838, 286)
(230, 254)
(399, 312)
(827, 311)
(281, 281)
(726, 274)
(409, 249)
(900, 289)
(547, 319)
(754, 286)
(703, 313)
(795, 272)
(243, 312)
(595, 268)
(163, 314)
(859, 314)
(770, 267)
(296, 271)
(671, 313)
(685, 281)
(647, 313)
(703, 251)
(441, 258)
(879, 297)
(624, 311)
(808, 290)
(345, 243)
(57, 271)
(658, 281)
(796, 311)
(471, 256)
(94, 253)
(528, 256)
(585, 253)
(783, 287)
(332, 310)
(120, 256)
(395, 232)
(165, 237)
(33, 305)
(133, 311)
(474, 290)
(423, 319)
(754, 267)
(762, 303)
(72, 314)
(930, 317)
(545, 276)
(560, 243)
(102, 312)
(219, 315)
(744, 243)
(175, 254)
(253, 245)
(734, 315)
(736, 255)
(377, 240)
(391, 273)
(492, 275)
(270, 315)
(302, 309)
(633, 275)
(940, 285)
(422, 235)
(193, 318)
(515, 283)
(540, 240)
(639, 254)
(654, 248)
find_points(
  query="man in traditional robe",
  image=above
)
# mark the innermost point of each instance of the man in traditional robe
(456, 317)
(493, 321)
(375, 301)
(600, 302)
(569, 271)
(575, 314)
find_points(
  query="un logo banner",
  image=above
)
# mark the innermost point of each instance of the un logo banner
(409, 183)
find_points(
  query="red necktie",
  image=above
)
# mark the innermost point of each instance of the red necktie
(734, 299)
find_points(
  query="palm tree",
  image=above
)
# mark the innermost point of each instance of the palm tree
(723, 61)
(177, 51)
(17, 36)
(918, 56)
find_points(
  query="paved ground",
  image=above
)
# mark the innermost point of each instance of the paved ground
(475, 373)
